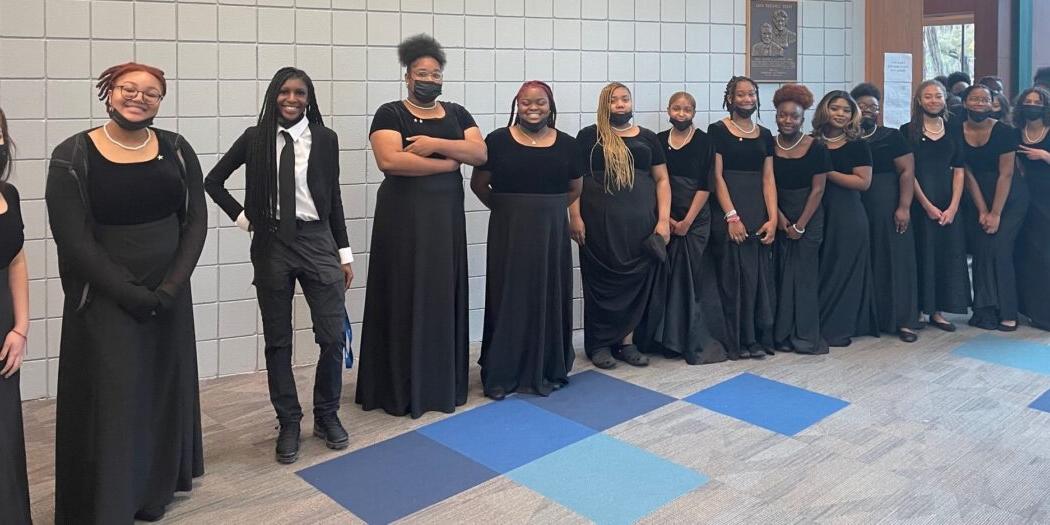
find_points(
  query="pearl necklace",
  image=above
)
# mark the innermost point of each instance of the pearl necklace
(870, 134)
(839, 138)
(742, 130)
(1041, 135)
(149, 136)
(670, 145)
(801, 137)
(933, 132)
(417, 106)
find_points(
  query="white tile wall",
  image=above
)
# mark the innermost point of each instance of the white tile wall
(219, 55)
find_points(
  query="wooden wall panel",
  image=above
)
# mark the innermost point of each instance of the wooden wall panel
(892, 26)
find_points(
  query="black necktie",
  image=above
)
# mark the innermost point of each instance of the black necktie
(286, 188)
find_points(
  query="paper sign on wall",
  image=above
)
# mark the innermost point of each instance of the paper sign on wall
(896, 91)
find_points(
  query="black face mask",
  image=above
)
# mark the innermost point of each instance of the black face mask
(745, 112)
(286, 124)
(868, 123)
(3, 156)
(681, 125)
(426, 91)
(620, 119)
(929, 114)
(978, 116)
(126, 124)
(1031, 111)
(530, 127)
(997, 115)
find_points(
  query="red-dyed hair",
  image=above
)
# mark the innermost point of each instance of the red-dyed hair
(796, 93)
(533, 84)
(109, 76)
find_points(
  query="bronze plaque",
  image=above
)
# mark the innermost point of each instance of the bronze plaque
(772, 40)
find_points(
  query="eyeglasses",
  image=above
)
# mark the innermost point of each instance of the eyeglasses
(129, 92)
(424, 75)
(979, 100)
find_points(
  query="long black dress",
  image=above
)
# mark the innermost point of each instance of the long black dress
(797, 262)
(14, 485)
(618, 274)
(414, 340)
(847, 298)
(527, 341)
(683, 329)
(994, 280)
(892, 253)
(1033, 246)
(745, 270)
(943, 274)
(128, 430)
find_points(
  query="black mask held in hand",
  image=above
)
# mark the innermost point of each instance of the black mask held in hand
(681, 125)
(126, 124)
(1031, 111)
(426, 91)
(620, 119)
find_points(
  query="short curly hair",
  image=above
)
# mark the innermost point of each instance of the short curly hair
(866, 89)
(957, 77)
(418, 46)
(796, 93)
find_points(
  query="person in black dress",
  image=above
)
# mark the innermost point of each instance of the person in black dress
(532, 174)
(621, 224)
(747, 207)
(1001, 201)
(888, 203)
(14, 323)
(847, 297)
(800, 165)
(1032, 117)
(689, 281)
(292, 202)
(127, 211)
(414, 339)
(943, 273)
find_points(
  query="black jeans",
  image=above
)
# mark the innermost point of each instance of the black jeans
(313, 260)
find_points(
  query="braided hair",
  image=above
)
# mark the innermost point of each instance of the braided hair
(727, 98)
(261, 188)
(619, 162)
(550, 97)
(108, 77)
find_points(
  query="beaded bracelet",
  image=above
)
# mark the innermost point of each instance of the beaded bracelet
(798, 231)
(730, 213)
(734, 218)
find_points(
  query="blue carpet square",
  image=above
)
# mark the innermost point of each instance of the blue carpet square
(606, 480)
(394, 478)
(769, 404)
(1015, 353)
(505, 435)
(1042, 402)
(599, 401)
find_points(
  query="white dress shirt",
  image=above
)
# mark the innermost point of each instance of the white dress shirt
(305, 209)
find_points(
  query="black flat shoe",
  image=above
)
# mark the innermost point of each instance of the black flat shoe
(497, 394)
(784, 347)
(332, 432)
(630, 355)
(1007, 328)
(907, 337)
(151, 514)
(288, 443)
(943, 325)
(602, 358)
(756, 351)
(840, 343)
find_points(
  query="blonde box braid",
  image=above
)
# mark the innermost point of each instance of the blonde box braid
(619, 162)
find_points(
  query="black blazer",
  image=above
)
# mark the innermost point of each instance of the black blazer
(322, 176)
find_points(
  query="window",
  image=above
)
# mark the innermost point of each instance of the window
(948, 45)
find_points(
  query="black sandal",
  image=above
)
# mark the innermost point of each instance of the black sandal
(943, 325)
(907, 337)
(602, 358)
(630, 355)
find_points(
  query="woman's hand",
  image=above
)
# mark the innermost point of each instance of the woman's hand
(1034, 153)
(948, 216)
(792, 233)
(348, 275)
(577, 230)
(663, 229)
(902, 217)
(681, 228)
(990, 223)
(422, 145)
(934, 213)
(737, 232)
(767, 232)
(14, 350)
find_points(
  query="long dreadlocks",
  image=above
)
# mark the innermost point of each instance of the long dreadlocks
(619, 162)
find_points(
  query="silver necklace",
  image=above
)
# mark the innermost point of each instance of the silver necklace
(801, 137)
(671, 145)
(149, 136)
(869, 134)
(1029, 139)
(742, 130)
(417, 106)
(839, 138)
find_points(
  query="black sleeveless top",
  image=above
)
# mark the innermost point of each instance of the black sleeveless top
(11, 234)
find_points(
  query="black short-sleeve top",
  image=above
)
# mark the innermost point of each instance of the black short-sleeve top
(395, 116)
(738, 153)
(517, 168)
(645, 148)
(1003, 139)
(887, 145)
(693, 160)
(135, 192)
(794, 174)
(855, 154)
(11, 228)
(935, 154)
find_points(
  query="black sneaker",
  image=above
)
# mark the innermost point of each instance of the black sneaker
(288, 443)
(332, 432)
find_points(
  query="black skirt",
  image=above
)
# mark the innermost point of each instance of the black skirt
(14, 485)
(1033, 254)
(892, 256)
(994, 279)
(943, 274)
(128, 429)
(683, 328)
(797, 270)
(527, 341)
(745, 270)
(414, 339)
(847, 300)
(618, 274)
